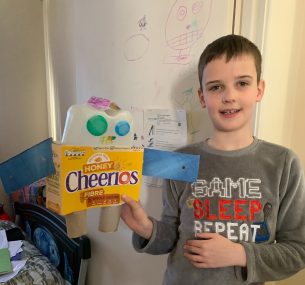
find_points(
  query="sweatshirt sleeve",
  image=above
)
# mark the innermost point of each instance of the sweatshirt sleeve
(286, 256)
(165, 231)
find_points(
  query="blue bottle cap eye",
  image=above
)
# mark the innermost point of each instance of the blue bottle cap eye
(97, 125)
(122, 128)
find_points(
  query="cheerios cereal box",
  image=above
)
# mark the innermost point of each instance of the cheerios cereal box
(88, 177)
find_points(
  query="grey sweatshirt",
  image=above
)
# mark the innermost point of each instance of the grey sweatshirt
(254, 196)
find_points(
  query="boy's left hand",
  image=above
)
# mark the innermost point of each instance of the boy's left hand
(211, 250)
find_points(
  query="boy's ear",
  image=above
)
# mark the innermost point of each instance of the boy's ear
(260, 90)
(201, 98)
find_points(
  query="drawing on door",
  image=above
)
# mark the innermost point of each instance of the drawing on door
(184, 26)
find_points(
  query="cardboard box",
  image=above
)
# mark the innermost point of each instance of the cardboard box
(88, 177)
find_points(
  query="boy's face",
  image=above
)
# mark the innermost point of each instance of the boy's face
(230, 93)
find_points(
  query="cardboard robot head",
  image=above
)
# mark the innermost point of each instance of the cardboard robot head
(98, 123)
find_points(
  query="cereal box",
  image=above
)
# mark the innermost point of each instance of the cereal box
(88, 177)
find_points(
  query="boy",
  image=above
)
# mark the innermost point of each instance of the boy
(243, 220)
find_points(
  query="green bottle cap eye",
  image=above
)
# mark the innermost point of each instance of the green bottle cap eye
(97, 125)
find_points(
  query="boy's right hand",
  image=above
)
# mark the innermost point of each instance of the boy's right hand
(136, 218)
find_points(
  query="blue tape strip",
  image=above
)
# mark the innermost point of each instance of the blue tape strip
(27, 167)
(170, 165)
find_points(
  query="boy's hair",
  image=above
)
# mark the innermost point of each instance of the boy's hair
(230, 46)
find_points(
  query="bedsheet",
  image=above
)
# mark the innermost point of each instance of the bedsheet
(37, 270)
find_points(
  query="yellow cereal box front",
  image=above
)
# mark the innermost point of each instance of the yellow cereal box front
(88, 177)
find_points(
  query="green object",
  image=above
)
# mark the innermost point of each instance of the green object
(5, 261)
(97, 125)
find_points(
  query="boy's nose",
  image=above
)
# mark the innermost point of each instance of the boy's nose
(228, 96)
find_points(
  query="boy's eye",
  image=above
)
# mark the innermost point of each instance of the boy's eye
(243, 83)
(214, 88)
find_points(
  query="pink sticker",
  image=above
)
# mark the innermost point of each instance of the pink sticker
(99, 103)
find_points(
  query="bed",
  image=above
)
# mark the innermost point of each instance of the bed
(52, 257)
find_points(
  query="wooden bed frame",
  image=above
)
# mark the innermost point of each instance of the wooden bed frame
(47, 230)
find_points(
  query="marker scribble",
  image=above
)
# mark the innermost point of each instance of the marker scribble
(185, 25)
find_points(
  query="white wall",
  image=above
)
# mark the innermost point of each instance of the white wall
(23, 107)
(60, 43)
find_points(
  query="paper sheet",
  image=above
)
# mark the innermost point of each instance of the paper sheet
(10, 249)
(15, 247)
(3, 239)
(165, 129)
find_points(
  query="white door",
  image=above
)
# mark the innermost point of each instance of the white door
(140, 54)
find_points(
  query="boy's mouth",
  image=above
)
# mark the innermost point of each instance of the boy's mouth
(229, 111)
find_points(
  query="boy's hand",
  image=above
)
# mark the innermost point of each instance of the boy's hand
(213, 251)
(136, 218)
